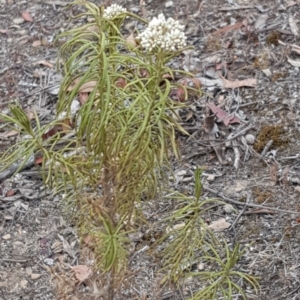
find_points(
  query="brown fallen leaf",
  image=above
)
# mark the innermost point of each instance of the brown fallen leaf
(82, 272)
(121, 82)
(178, 94)
(26, 16)
(228, 28)
(210, 126)
(10, 193)
(36, 43)
(83, 97)
(4, 30)
(250, 82)
(9, 134)
(131, 40)
(86, 87)
(222, 115)
(219, 225)
(39, 160)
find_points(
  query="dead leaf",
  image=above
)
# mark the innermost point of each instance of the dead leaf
(219, 225)
(261, 22)
(83, 97)
(39, 161)
(26, 16)
(121, 82)
(86, 87)
(293, 25)
(36, 43)
(222, 115)
(9, 134)
(131, 40)
(4, 31)
(189, 115)
(10, 193)
(82, 272)
(178, 94)
(295, 63)
(228, 28)
(250, 82)
(209, 125)
(291, 3)
(51, 132)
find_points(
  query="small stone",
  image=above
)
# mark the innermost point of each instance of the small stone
(6, 236)
(23, 283)
(250, 139)
(169, 4)
(211, 177)
(36, 43)
(297, 188)
(267, 72)
(49, 261)
(228, 208)
(18, 21)
(35, 276)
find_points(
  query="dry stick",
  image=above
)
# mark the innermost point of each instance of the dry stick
(232, 227)
(14, 260)
(14, 167)
(267, 147)
(225, 8)
(219, 194)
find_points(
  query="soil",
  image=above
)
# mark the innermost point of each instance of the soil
(38, 245)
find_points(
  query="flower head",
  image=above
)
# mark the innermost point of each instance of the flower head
(113, 11)
(165, 34)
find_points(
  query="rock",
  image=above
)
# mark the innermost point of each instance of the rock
(35, 276)
(169, 4)
(250, 139)
(49, 261)
(211, 177)
(23, 283)
(228, 208)
(18, 21)
(6, 236)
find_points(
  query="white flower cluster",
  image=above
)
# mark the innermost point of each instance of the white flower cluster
(113, 11)
(165, 34)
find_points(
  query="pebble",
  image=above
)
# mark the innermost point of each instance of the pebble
(49, 261)
(6, 236)
(169, 4)
(211, 177)
(23, 283)
(18, 21)
(35, 276)
(250, 139)
(228, 208)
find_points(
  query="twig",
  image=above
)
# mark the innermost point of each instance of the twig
(14, 260)
(267, 147)
(15, 167)
(232, 227)
(236, 154)
(219, 194)
(227, 8)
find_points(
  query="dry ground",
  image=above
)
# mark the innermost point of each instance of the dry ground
(34, 236)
